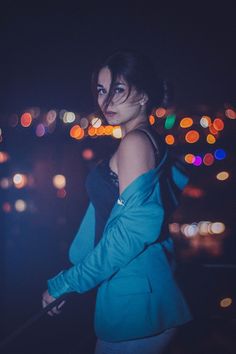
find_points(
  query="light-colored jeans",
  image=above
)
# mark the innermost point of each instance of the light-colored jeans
(149, 345)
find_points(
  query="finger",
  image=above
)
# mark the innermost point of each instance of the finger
(61, 304)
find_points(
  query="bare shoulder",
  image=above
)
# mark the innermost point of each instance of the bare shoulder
(135, 156)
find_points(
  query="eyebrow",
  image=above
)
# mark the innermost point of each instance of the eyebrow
(116, 83)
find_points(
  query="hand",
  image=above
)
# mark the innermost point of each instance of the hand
(48, 299)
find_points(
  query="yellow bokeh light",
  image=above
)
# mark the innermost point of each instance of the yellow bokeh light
(211, 139)
(186, 122)
(226, 302)
(117, 133)
(222, 176)
(59, 181)
(169, 139)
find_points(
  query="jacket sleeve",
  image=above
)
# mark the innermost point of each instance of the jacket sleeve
(126, 236)
(83, 242)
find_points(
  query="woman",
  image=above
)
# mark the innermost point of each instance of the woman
(122, 246)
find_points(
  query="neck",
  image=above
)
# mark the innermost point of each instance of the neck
(139, 122)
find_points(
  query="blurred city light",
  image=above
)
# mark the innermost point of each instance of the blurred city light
(59, 181)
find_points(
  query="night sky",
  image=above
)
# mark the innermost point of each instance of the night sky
(49, 50)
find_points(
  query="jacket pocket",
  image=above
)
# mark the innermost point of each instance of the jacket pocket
(127, 285)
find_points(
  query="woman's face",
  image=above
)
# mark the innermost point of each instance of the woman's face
(118, 111)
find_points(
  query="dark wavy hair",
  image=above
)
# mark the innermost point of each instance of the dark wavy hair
(139, 72)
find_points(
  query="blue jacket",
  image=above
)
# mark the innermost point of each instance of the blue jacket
(137, 293)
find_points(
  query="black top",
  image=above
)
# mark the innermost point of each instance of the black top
(102, 186)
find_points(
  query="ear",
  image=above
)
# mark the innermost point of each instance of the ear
(143, 99)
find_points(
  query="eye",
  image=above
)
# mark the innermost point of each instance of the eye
(119, 90)
(101, 91)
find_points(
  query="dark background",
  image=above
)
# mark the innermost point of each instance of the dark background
(48, 51)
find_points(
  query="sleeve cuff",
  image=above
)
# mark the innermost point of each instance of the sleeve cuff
(57, 286)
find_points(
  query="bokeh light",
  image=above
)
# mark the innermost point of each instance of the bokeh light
(88, 154)
(170, 139)
(222, 176)
(218, 124)
(208, 159)
(197, 161)
(59, 181)
(108, 129)
(220, 154)
(160, 112)
(96, 122)
(170, 121)
(117, 133)
(76, 132)
(189, 158)
(226, 302)
(92, 131)
(5, 183)
(84, 123)
(217, 228)
(20, 205)
(186, 122)
(211, 139)
(6, 207)
(230, 113)
(40, 130)
(151, 119)
(192, 136)
(51, 116)
(26, 120)
(205, 121)
(3, 157)
(19, 180)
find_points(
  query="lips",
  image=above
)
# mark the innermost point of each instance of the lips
(110, 112)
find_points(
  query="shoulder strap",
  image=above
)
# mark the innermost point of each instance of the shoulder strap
(157, 150)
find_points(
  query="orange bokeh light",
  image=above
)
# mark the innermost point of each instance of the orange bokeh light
(108, 129)
(151, 119)
(92, 131)
(192, 136)
(76, 132)
(26, 120)
(186, 122)
(101, 130)
(170, 139)
(218, 124)
(189, 158)
(211, 139)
